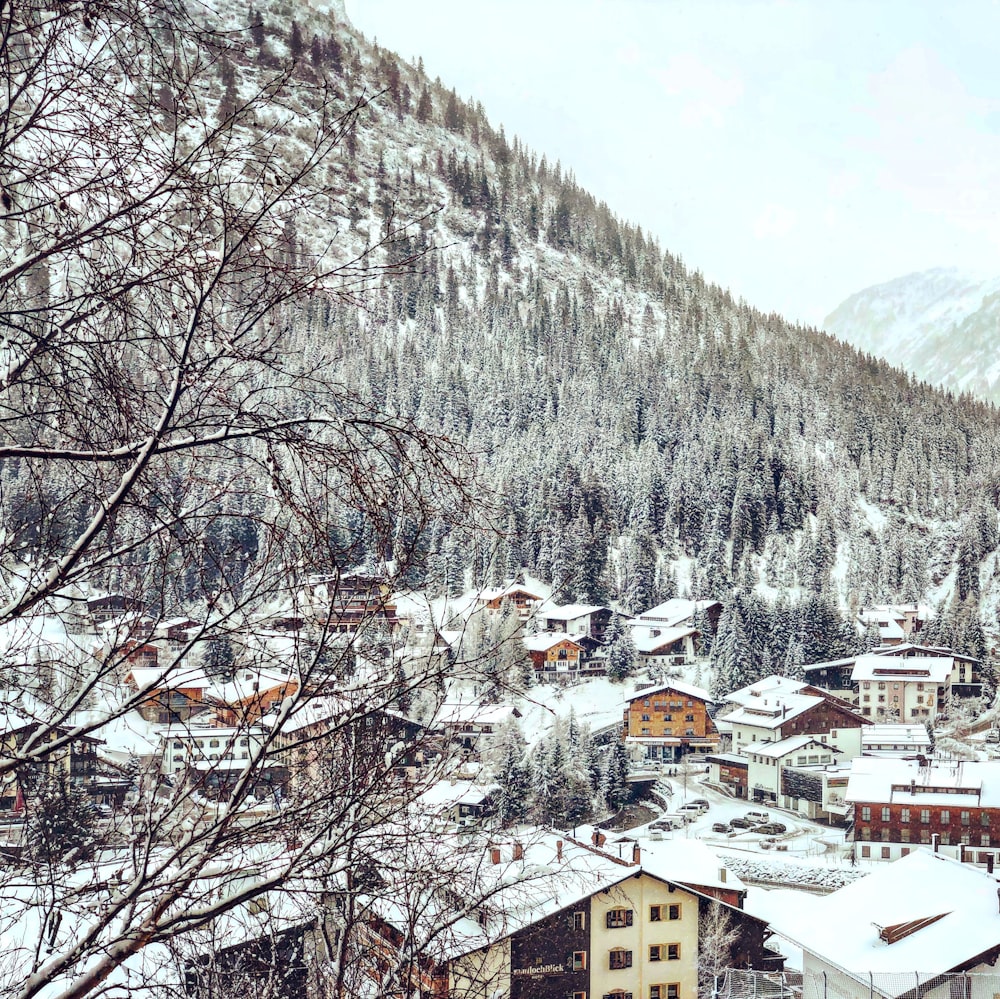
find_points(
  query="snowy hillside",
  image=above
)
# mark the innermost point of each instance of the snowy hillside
(941, 324)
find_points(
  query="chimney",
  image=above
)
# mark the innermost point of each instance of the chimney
(559, 850)
(989, 863)
(495, 854)
(636, 854)
(518, 851)
(913, 786)
(998, 898)
(595, 837)
(934, 840)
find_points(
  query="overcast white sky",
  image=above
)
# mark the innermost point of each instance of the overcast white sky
(795, 152)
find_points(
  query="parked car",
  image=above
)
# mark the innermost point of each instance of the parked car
(756, 818)
(721, 827)
(656, 834)
(675, 819)
(739, 823)
(690, 809)
(772, 828)
(993, 735)
(702, 803)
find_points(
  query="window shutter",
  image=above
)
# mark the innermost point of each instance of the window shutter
(628, 918)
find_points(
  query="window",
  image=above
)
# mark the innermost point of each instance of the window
(689, 718)
(674, 911)
(945, 816)
(866, 851)
(945, 838)
(655, 913)
(579, 920)
(965, 818)
(617, 994)
(984, 819)
(618, 918)
(579, 961)
(885, 853)
(904, 815)
(925, 815)
(885, 813)
(904, 835)
(213, 743)
(619, 958)
(984, 839)
(866, 813)
(673, 952)
(645, 717)
(925, 835)
(579, 995)
(658, 952)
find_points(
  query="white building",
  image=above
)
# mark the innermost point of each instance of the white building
(896, 931)
(902, 687)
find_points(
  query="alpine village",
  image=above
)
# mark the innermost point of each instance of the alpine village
(417, 582)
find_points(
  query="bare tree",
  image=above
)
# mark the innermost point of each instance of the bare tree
(717, 934)
(172, 431)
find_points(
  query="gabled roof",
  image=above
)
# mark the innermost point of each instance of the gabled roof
(649, 640)
(794, 743)
(168, 678)
(571, 612)
(907, 648)
(685, 689)
(498, 592)
(772, 712)
(458, 713)
(773, 684)
(545, 640)
(928, 669)
(674, 612)
(924, 913)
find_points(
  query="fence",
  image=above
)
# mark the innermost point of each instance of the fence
(860, 985)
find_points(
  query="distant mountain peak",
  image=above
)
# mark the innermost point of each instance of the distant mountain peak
(941, 324)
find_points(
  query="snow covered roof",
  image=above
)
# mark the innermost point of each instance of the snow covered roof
(457, 713)
(773, 684)
(831, 664)
(905, 651)
(648, 640)
(685, 689)
(913, 737)
(929, 669)
(250, 683)
(570, 612)
(938, 782)
(772, 712)
(675, 611)
(775, 750)
(545, 872)
(168, 678)
(889, 624)
(499, 592)
(446, 794)
(545, 640)
(924, 913)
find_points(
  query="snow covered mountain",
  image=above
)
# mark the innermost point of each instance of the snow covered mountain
(940, 324)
